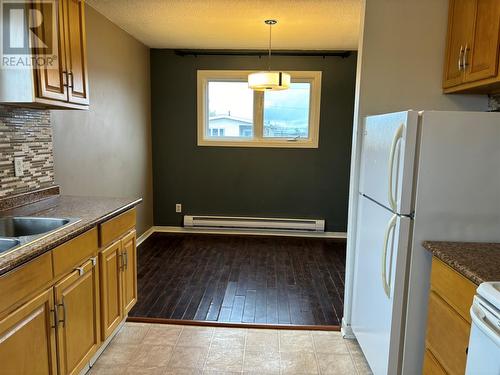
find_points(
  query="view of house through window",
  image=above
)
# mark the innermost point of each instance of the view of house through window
(230, 109)
(231, 114)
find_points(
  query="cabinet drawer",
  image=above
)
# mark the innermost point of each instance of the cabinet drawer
(431, 365)
(19, 283)
(447, 335)
(72, 253)
(116, 227)
(455, 289)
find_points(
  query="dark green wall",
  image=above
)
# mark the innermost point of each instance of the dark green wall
(307, 183)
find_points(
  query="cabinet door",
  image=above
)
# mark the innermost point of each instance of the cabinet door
(76, 51)
(482, 59)
(129, 271)
(51, 80)
(27, 338)
(447, 335)
(431, 365)
(460, 31)
(110, 263)
(77, 301)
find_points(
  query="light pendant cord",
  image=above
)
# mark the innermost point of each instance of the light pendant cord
(269, 55)
(270, 23)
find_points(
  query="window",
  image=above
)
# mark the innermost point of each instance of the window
(231, 114)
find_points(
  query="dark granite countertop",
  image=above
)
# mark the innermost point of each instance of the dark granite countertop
(478, 262)
(91, 212)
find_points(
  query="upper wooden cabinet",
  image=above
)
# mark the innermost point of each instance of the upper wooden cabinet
(472, 50)
(64, 83)
(76, 60)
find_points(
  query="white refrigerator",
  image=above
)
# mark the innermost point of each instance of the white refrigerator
(423, 176)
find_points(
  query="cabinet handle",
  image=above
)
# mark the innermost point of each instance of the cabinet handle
(465, 63)
(56, 317)
(70, 78)
(122, 260)
(460, 58)
(65, 78)
(63, 320)
(125, 259)
(80, 270)
(94, 261)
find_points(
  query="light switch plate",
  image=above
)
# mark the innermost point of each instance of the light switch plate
(18, 167)
(178, 208)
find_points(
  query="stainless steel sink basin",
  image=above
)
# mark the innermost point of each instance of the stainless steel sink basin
(7, 244)
(29, 226)
(16, 231)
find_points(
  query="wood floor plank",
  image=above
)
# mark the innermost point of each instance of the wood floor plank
(229, 294)
(237, 310)
(246, 279)
(249, 307)
(272, 306)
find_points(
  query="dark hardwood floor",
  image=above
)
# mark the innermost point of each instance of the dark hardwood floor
(241, 279)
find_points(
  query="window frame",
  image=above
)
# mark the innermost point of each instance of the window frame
(258, 140)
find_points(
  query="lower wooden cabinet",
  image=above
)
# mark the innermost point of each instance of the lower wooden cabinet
(448, 321)
(111, 291)
(118, 263)
(77, 304)
(129, 271)
(431, 365)
(447, 335)
(56, 310)
(28, 338)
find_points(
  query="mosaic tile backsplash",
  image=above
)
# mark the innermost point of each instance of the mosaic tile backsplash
(494, 102)
(25, 133)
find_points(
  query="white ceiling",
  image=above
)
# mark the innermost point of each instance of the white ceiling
(237, 24)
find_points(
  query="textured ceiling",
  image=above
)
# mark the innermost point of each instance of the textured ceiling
(237, 24)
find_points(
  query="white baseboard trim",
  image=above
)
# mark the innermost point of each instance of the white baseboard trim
(346, 330)
(145, 235)
(171, 229)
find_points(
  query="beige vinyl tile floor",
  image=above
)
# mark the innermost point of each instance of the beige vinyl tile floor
(161, 349)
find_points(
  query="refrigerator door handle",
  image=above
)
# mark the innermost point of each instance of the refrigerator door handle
(480, 318)
(392, 155)
(385, 283)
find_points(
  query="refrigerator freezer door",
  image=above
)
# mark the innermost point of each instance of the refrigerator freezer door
(379, 280)
(387, 159)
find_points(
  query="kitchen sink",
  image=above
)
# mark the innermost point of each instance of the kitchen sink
(17, 231)
(8, 243)
(29, 226)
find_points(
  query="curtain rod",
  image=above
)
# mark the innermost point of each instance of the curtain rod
(260, 53)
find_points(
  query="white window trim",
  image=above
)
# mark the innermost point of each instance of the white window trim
(204, 76)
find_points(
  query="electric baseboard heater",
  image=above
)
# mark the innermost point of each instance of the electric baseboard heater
(228, 222)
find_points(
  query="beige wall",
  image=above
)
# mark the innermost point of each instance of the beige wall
(401, 56)
(106, 151)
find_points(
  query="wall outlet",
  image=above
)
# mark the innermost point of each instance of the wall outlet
(178, 208)
(18, 167)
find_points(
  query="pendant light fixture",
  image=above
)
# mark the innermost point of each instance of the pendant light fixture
(269, 80)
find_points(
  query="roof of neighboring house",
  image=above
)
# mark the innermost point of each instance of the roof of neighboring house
(230, 118)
